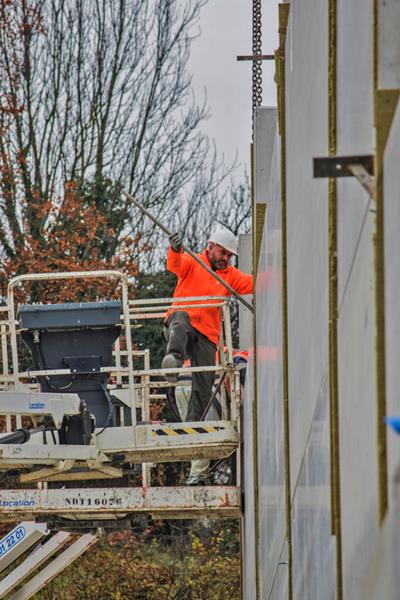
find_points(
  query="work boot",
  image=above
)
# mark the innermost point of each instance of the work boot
(170, 361)
(222, 475)
(196, 480)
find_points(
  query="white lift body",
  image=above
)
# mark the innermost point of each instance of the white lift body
(40, 404)
(43, 460)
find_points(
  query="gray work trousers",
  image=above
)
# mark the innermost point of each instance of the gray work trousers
(183, 340)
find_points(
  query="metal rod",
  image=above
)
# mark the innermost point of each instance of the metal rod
(128, 342)
(145, 380)
(366, 180)
(141, 316)
(192, 254)
(255, 57)
(117, 355)
(170, 300)
(124, 370)
(4, 352)
(222, 359)
(134, 311)
(214, 395)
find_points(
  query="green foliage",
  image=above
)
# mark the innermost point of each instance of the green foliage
(149, 335)
(207, 571)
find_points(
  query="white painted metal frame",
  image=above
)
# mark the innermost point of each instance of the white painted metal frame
(34, 561)
(20, 539)
(36, 404)
(72, 275)
(112, 503)
(53, 569)
(165, 442)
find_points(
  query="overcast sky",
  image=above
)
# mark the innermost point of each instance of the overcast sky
(225, 32)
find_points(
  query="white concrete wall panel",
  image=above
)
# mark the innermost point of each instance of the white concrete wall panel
(280, 584)
(314, 572)
(368, 553)
(357, 412)
(249, 532)
(307, 260)
(389, 44)
(355, 134)
(380, 574)
(307, 217)
(384, 579)
(245, 316)
(392, 284)
(354, 76)
(270, 390)
(265, 122)
(356, 326)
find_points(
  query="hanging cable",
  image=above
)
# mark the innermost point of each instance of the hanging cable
(110, 405)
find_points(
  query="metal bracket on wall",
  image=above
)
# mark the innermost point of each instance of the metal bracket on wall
(360, 167)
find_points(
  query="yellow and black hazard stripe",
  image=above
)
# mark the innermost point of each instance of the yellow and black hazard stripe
(185, 430)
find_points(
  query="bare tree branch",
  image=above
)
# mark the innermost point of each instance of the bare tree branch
(99, 91)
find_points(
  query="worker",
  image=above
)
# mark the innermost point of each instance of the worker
(195, 332)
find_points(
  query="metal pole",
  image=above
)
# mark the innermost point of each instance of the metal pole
(128, 341)
(192, 254)
(145, 379)
(4, 349)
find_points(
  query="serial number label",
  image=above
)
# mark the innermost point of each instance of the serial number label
(12, 539)
(93, 501)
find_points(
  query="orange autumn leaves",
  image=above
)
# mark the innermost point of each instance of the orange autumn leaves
(72, 234)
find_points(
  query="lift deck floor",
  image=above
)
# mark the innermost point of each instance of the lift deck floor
(113, 503)
(166, 442)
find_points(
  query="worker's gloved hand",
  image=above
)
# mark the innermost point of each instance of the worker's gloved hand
(176, 240)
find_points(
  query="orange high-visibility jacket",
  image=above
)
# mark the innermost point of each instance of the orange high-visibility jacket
(193, 280)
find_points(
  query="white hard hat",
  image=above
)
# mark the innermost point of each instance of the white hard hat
(225, 238)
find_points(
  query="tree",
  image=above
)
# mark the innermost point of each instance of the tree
(202, 570)
(233, 210)
(149, 333)
(73, 239)
(95, 91)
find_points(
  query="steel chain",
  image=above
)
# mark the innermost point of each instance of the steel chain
(257, 64)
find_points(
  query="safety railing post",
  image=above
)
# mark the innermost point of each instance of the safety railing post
(13, 340)
(128, 341)
(235, 416)
(118, 376)
(222, 360)
(146, 467)
(4, 358)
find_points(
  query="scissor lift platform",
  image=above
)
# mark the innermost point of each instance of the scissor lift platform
(71, 519)
(111, 447)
